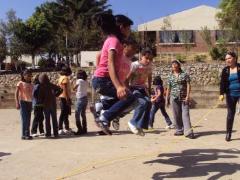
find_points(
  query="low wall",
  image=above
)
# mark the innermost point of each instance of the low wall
(204, 80)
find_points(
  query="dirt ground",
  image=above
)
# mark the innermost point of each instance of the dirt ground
(158, 155)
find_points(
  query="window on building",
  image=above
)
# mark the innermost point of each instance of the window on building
(182, 37)
(223, 35)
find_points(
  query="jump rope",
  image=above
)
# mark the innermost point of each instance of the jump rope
(103, 163)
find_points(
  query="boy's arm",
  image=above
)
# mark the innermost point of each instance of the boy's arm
(149, 83)
(121, 89)
(168, 95)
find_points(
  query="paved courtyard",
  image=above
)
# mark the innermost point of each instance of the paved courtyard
(158, 155)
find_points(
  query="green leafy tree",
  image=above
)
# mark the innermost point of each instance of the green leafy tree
(229, 17)
(34, 33)
(3, 47)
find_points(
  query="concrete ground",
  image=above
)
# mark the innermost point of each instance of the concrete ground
(158, 155)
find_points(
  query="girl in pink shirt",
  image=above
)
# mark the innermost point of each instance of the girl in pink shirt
(106, 80)
(23, 98)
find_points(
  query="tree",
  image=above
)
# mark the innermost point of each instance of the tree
(3, 47)
(229, 17)
(206, 35)
(34, 33)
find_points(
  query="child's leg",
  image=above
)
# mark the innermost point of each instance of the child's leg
(64, 114)
(165, 115)
(41, 119)
(53, 113)
(35, 121)
(77, 115)
(153, 111)
(47, 122)
(144, 121)
(28, 118)
(83, 115)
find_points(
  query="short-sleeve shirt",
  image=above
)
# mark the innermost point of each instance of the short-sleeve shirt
(160, 99)
(178, 85)
(140, 73)
(25, 91)
(82, 88)
(64, 80)
(124, 69)
(111, 43)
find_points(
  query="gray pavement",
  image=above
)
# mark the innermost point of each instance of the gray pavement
(158, 155)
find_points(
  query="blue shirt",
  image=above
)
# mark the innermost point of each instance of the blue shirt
(234, 85)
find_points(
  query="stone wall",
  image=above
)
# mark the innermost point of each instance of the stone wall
(201, 74)
(204, 80)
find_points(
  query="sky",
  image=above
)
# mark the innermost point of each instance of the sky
(139, 11)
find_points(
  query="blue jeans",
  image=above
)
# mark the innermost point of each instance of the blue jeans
(51, 112)
(154, 109)
(25, 112)
(231, 110)
(80, 109)
(141, 114)
(104, 86)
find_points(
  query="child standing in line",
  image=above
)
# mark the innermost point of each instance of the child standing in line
(81, 102)
(106, 81)
(158, 102)
(23, 99)
(65, 100)
(48, 93)
(140, 73)
(38, 109)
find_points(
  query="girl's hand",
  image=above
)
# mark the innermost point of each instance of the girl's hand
(122, 92)
(187, 99)
(17, 105)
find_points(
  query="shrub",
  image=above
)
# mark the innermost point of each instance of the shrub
(200, 58)
(218, 53)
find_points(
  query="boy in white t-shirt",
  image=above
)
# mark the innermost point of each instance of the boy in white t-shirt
(140, 74)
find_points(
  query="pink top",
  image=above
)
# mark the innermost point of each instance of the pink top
(123, 71)
(111, 43)
(25, 91)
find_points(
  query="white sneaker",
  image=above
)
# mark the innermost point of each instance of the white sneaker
(61, 132)
(41, 134)
(170, 126)
(34, 135)
(132, 128)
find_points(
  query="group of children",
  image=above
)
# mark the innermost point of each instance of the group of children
(41, 97)
(125, 86)
(125, 83)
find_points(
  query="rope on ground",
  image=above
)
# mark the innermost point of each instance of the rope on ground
(104, 163)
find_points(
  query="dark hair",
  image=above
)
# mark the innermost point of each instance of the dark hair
(110, 24)
(176, 62)
(81, 74)
(66, 71)
(146, 51)
(157, 81)
(123, 20)
(130, 41)
(233, 54)
(36, 79)
(24, 73)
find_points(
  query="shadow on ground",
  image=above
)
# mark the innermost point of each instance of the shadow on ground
(194, 163)
(4, 154)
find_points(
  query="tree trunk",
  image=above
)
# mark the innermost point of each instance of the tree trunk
(33, 60)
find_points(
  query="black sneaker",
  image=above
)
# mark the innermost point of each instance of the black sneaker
(190, 136)
(178, 133)
(104, 127)
(115, 124)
